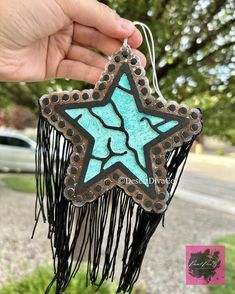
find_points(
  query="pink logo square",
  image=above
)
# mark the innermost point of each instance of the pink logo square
(205, 265)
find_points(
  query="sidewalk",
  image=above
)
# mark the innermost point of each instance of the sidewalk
(18, 253)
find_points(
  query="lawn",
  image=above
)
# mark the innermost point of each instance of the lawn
(20, 183)
(229, 287)
(39, 280)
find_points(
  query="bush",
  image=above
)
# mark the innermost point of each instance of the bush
(37, 282)
(220, 152)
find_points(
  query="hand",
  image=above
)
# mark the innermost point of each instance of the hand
(47, 39)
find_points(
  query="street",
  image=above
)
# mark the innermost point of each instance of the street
(209, 181)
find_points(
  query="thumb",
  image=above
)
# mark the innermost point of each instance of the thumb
(98, 15)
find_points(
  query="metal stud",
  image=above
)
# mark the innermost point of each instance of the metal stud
(106, 77)
(144, 91)
(131, 188)
(73, 170)
(148, 203)
(70, 132)
(65, 97)
(61, 124)
(47, 110)
(85, 96)
(54, 98)
(139, 196)
(138, 71)
(98, 188)
(111, 67)
(101, 86)
(117, 58)
(76, 96)
(133, 61)
(54, 117)
(115, 176)
(125, 53)
(107, 182)
(46, 101)
(96, 95)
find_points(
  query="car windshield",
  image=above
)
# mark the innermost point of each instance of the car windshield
(12, 141)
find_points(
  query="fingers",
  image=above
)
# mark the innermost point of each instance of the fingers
(86, 56)
(136, 39)
(99, 27)
(82, 64)
(98, 15)
(77, 70)
(92, 38)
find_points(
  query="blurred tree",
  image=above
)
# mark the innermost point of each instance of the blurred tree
(27, 94)
(195, 42)
(17, 117)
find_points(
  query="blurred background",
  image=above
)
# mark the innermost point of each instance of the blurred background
(195, 58)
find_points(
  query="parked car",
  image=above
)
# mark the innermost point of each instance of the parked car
(16, 152)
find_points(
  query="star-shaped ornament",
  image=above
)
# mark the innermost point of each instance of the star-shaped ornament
(120, 134)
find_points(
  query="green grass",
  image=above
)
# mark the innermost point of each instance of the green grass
(37, 282)
(229, 287)
(20, 183)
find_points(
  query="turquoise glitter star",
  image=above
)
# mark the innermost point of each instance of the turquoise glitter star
(119, 130)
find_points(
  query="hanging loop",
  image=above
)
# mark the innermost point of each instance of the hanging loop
(151, 49)
(125, 42)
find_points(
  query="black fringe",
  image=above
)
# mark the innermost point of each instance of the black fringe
(97, 226)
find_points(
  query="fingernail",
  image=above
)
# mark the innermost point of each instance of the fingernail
(126, 24)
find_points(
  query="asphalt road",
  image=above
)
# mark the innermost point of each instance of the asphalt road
(209, 181)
